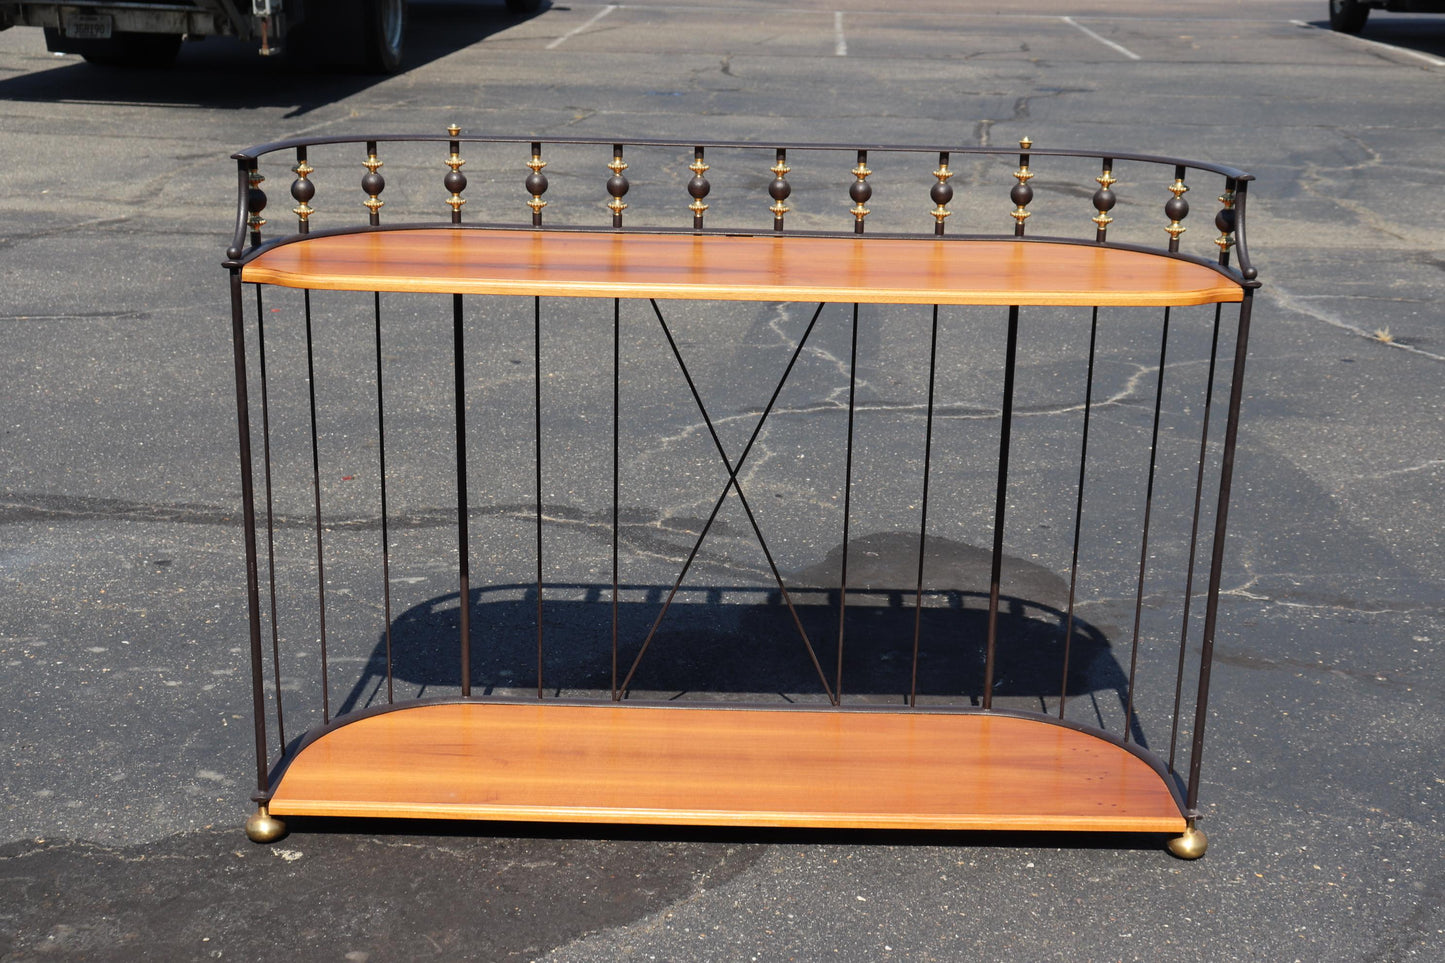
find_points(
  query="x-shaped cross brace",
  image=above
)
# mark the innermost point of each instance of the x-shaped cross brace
(732, 485)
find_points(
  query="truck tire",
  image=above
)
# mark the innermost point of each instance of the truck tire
(1348, 16)
(385, 35)
(121, 49)
(366, 35)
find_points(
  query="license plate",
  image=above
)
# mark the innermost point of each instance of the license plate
(87, 26)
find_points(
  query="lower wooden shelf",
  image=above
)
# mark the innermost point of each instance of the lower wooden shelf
(726, 766)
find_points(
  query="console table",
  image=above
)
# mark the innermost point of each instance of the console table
(915, 755)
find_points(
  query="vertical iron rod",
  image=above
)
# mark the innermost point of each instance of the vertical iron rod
(1216, 562)
(847, 507)
(1078, 512)
(1194, 537)
(381, 472)
(537, 452)
(616, 471)
(464, 565)
(316, 490)
(270, 513)
(248, 524)
(923, 515)
(1144, 540)
(1000, 502)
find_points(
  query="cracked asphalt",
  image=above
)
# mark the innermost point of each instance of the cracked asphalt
(125, 722)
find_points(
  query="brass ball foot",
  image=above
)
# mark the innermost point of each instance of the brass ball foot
(263, 827)
(1191, 845)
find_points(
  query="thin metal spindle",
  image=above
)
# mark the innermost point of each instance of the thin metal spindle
(780, 189)
(536, 183)
(1078, 513)
(1176, 209)
(617, 185)
(373, 183)
(455, 181)
(847, 506)
(698, 188)
(537, 452)
(1194, 534)
(860, 191)
(616, 472)
(464, 564)
(1144, 540)
(923, 515)
(941, 194)
(1216, 562)
(303, 190)
(316, 490)
(381, 473)
(270, 513)
(248, 524)
(1000, 503)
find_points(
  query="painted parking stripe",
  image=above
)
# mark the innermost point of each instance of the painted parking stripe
(1103, 40)
(576, 30)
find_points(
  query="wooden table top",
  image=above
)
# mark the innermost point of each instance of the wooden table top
(721, 766)
(725, 267)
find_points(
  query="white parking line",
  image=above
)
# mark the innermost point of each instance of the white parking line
(840, 42)
(576, 30)
(1432, 61)
(1106, 42)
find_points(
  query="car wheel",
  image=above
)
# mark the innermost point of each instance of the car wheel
(523, 6)
(120, 49)
(1348, 16)
(366, 35)
(385, 33)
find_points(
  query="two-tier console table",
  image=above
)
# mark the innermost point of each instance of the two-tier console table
(789, 224)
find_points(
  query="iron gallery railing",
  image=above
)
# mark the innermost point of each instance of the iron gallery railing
(935, 624)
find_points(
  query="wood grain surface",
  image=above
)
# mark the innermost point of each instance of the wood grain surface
(735, 268)
(725, 767)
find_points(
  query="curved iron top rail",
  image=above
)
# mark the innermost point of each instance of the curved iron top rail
(1232, 261)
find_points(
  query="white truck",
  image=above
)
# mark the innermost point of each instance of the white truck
(1349, 16)
(351, 34)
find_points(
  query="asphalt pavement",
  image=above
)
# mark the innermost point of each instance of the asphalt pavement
(125, 720)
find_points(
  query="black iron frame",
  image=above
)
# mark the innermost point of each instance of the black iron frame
(1232, 262)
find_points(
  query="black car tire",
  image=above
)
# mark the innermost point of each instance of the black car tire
(385, 35)
(365, 35)
(523, 6)
(1348, 16)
